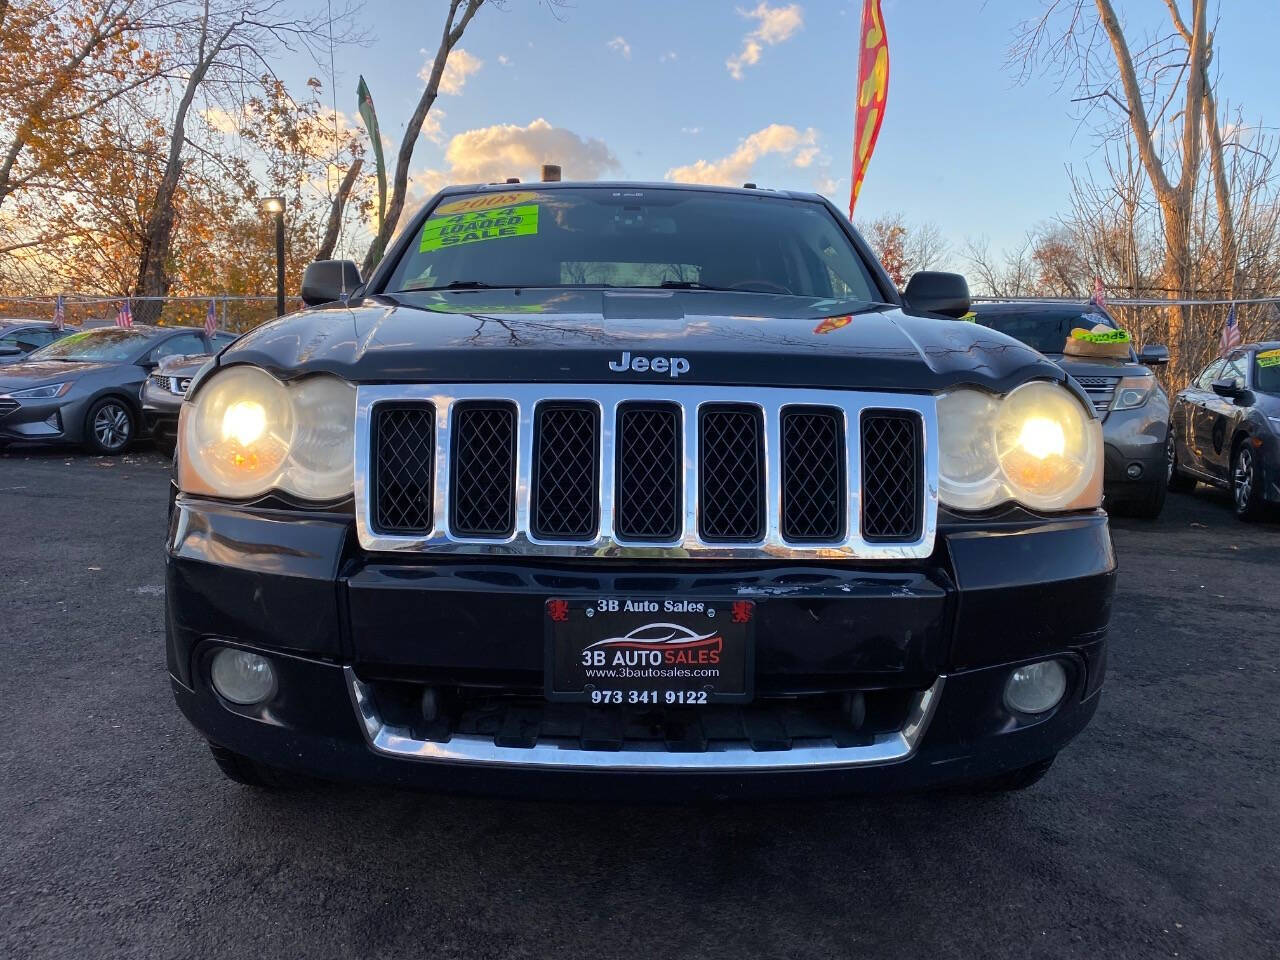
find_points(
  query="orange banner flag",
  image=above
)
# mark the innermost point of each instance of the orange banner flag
(873, 93)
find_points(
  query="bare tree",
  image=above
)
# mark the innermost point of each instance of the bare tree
(1012, 275)
(904, 248)
(455, 24)
(334, 224)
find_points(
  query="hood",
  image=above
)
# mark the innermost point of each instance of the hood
(585, 336)
(36, 373)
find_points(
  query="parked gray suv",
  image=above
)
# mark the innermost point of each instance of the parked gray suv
(1133, 406)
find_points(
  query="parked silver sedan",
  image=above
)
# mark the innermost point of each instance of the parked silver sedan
(86, 388)
(162, 396)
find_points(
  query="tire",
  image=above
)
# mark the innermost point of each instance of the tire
(1179, 482)
(1149, 507)
(1246, 482)
(109, 426)
(1015, 780)
(250, 773)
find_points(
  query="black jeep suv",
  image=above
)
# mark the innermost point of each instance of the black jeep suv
(603, 488)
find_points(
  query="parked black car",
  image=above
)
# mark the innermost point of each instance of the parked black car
(1226, 429)
(1133, 406)
(85, 388)
(595, 489)
(18, 338)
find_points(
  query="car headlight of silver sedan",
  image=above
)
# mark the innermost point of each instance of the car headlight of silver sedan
(245, 433)
(1037, 445)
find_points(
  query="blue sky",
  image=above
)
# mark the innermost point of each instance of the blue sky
(635, 90)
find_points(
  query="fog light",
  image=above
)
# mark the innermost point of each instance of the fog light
(1134, 470)
(1035, 688)
(242, 677)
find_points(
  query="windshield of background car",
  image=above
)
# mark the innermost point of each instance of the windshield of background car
(1045, 332)
(605, 237)
(1267, 371)
(104, 344)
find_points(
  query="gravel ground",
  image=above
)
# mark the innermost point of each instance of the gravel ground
(1154, 834)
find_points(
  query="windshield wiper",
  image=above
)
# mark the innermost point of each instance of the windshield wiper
(694, 285)
(465, 285)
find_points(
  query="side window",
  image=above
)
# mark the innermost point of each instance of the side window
(34, 338)
(184, 344)
(1234, 369)
(221, 340)
(1210, 374)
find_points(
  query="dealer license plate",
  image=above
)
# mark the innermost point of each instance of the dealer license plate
(660, 651)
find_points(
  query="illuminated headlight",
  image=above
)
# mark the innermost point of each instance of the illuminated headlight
(48, 392)
(1132, 392)
(1037, 445)
(246, 433)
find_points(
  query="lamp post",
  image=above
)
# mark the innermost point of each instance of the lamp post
(275, 205)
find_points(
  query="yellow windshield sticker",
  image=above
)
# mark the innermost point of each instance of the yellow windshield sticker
(1109, 336)
(439, 233)
(1269, 358)
(969, 317)
(485, 201)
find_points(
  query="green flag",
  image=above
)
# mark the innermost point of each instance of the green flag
(371, 124)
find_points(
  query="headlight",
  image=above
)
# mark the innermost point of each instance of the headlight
(1038, 446)
(246, 433)
(1132, 392)
(48, 392)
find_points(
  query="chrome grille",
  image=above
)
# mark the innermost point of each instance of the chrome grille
(892, 477)
(484, 470)
(566, 474)
(648, 472)
(1101, 391)
(645, 470)
(813, 474)
(731, 474)
(403, 462)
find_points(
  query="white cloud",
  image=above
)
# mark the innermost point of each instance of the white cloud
(431, 128)
(668, 56)
(504, 60)
(776, 24)
(691, 130)
(620, 45)
(799, 147)
(457, 68)
(507, 150)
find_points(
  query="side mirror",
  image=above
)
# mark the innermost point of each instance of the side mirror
(933, 292)
(1233, 389)
(325, 281)
(8, 351)
(1154, 355)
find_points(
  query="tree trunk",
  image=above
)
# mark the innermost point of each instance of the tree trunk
(400, 184)
(334, 226)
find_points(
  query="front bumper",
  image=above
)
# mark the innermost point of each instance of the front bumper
(43, 421)
(160, 408)
(342, 628)
(1135, 452)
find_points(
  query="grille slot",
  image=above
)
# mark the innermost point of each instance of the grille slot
(892, 476)
(731, 498)
(404, 450)
(649, 483)
(483, 462)
(1101, 391)
(813, 474)
(566, 477)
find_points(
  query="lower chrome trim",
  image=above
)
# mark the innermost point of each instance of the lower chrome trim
(720, 757)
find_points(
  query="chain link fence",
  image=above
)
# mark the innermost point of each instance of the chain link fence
(237, 314)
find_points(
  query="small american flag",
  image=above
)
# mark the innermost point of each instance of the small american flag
(211, 319)
(59, 314)
(1231, 337)
(1099, 298)
(124, 318)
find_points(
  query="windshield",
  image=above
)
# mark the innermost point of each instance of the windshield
(652, 238)
(1045, 332)
(1267, 371)
(105, 343)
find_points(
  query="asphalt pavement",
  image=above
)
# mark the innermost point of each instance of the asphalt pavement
(1155, 834)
